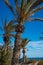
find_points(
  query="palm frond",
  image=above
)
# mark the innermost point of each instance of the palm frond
(24, 42)
(32, 12)
(17, 7)
(11, 28)
(40, 19)
(38, 2)
(29, 4)
(10, 7)
(22, 4)
(9, 35)
(36, 10)
(4, 25)
(12, 22)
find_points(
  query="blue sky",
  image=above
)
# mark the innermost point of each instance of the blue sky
(32, 30)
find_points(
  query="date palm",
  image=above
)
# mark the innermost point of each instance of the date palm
(7, 29)
(24, 43)
(23, 12)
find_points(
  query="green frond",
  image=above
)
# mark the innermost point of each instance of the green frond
(12, 22)
(17, 7)
(10, 29)
(38, 2)
(29, 4)
(36, 10)
(10, 35)
(22, 4)
(10, 7)
(24, 42)
(31, 10)
(40, 19)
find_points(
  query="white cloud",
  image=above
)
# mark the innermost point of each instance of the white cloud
(35, 49)
(35, 45)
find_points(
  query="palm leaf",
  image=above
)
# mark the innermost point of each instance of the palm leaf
(4, 25)
(22, 4)
(29, 4)
(12, 22)
(11, 28)
(32, 12)
(24, 43)
(38, 2)
(36, 10)
(40, 19)
(10, 7)
(9, 35)
(17, 7)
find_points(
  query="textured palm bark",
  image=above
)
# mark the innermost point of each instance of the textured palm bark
(16, 50)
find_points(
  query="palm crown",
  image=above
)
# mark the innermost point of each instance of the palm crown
(7, 29)
(25, 9)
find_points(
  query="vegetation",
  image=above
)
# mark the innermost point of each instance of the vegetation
(5, 58)
(5, 51)
(40, 62)
(24, 43)
(24, 10)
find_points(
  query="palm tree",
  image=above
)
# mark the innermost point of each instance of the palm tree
(7, 29)
(5, 58)
(24, 43)
(23, 12)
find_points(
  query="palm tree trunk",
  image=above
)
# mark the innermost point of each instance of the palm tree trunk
(16, 50)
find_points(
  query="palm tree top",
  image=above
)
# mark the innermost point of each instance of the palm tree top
(25, 9)
(24, 42)
(8, 28)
